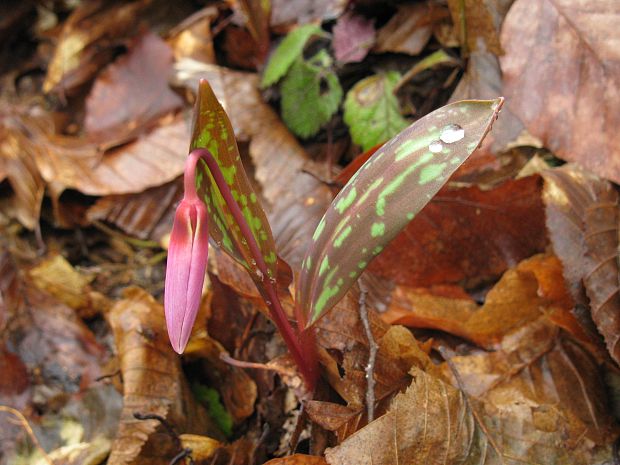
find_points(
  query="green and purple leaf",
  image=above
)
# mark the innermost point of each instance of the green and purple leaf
(384, 195)
(213, 131)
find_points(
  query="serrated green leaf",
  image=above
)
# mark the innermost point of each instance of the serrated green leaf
(384, 195)
(287, 52)
(212, 130)
(311, 94)
(371, 110)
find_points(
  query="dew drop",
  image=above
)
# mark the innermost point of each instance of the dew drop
(452, 133)
(260, 275)
(435, 146)
(253, 262)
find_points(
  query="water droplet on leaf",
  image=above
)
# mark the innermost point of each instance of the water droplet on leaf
(435, 146)
(452, 133)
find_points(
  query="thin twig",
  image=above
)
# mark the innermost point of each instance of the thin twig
(165, 423)
(185, 453)
(224, 357)
(372, 354)
(24, 422)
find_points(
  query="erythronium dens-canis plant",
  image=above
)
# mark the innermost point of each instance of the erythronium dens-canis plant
(378, 201)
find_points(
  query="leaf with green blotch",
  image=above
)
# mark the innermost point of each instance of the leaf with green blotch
(212, 130)
(287, 52)
(371, 110)
(311, 94)
(384, 195)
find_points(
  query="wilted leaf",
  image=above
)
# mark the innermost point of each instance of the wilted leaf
(410, 29)
(213, 131)
(467, 235)
(131, 92)
(354, 35)
(288, 51)
(153, 383)
(433, 423)
(582, 219)
(87, 41)
(561, 74)
(384, 195)
(372, 112)
(311, 94)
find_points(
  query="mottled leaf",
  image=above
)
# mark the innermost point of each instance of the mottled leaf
(287, 52)
(384, 195)
(212, 130)
(311, 94)
(372, 112)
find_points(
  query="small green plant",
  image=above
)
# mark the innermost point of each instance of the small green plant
(377, 202)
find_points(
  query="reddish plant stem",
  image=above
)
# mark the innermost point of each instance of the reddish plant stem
(301, 342)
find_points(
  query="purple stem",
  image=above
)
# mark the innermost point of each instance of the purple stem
(308, 364)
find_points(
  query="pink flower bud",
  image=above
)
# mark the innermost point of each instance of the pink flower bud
(185, 270)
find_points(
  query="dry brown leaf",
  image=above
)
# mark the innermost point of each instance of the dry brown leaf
(561, 74)
(410, 29)
(298, 459)
(286, 13)
(582, 219)
(467, 234)
(87, 41)
(192, 38)
(478, 21)
(18, 166)
(57, 277)
(434, 423)
(15, 390)
(533, 289)
(538, 365)
(131, 93)
(146, 215)
(153, 383)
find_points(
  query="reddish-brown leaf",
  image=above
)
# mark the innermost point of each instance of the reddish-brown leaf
(561, 74)
(467, 234)
(354, 35)
(131, 93)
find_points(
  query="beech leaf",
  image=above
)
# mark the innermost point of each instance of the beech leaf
(371, 110)
(384, 195)
(212, 130)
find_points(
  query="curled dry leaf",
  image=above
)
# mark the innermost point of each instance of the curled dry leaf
(540, 351)
(131, 92)
(565, 89)
(467, 234)
(533, 289)
(434, 423)
(153, 383)
(410, 29)
(87, 41)
(582, 219)
(146, 215)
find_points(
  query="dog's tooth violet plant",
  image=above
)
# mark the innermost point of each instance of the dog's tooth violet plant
(376, 203)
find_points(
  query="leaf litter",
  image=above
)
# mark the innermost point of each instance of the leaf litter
(494, 313)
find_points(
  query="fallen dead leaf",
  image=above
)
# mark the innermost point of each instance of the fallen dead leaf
(410, 29)
(354, 35)
(298, 459)
(131, 93)
(286, 13)
(87, 42)
(434, 423)
(192, 38)
(561, 73)
(582, 219)
(153, 383)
